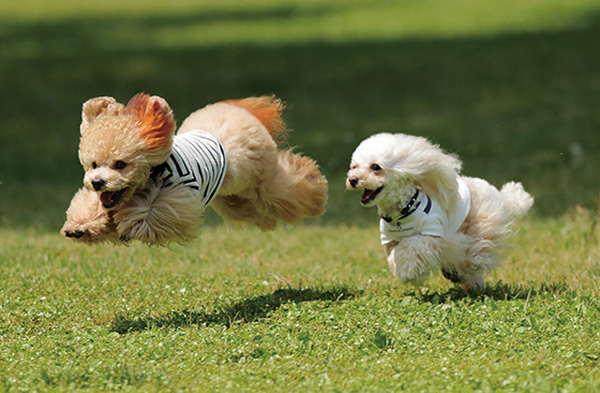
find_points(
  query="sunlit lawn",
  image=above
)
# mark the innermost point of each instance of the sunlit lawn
(301, 308)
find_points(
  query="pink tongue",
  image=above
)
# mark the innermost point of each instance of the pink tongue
(107, 197)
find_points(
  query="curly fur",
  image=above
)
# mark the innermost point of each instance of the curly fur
(121, 144)
(390, 167)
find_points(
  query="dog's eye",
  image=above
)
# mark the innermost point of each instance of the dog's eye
(375, 168)
(94, 165)
(120, 165)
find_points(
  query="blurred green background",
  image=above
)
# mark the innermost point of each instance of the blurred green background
(512, 86)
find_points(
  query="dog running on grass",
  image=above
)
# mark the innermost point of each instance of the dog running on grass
(431, 217)
(143, 182)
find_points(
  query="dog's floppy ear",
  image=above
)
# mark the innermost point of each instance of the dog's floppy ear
(93, 107)
(155, 118)
(439, 178)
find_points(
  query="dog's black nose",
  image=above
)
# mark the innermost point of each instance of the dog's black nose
(98, 184)
(76, 234)
(353, 181)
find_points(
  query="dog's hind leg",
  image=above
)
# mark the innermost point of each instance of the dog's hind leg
(236, 208)
(296, 191)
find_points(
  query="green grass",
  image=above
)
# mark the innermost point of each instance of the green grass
(297, 309)
(511, 86)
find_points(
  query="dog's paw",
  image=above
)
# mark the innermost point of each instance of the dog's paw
(87, 221)
(80, 235)
(77, 234)
(83, 234)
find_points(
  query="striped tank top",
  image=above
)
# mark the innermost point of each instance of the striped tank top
(197, 161)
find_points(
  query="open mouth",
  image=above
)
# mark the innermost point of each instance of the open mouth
(111, 198)
(369, 196)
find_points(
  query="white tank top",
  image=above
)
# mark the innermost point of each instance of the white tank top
(428, 218)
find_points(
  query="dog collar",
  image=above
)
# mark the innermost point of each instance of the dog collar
(157, 171)
(406, 211)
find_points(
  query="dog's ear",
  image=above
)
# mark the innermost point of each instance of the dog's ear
(93, 107)
(439, 178)
(155, 118)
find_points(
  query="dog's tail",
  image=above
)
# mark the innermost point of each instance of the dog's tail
(267, 109)
(516, 199)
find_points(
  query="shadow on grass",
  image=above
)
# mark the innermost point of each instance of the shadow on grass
(246, 311)
(496, 291)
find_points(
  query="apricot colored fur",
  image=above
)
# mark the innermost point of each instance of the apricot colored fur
(262, 185)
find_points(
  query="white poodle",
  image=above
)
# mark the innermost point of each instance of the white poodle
(431, 217)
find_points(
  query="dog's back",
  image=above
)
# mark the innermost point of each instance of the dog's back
(263, 185)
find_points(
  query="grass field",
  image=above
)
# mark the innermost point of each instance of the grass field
(512, 86)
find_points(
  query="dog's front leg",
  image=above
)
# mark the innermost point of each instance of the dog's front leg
(413, 258)
(86, 220)
(158, 216)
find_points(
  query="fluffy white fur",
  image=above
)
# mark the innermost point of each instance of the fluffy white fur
(389, 168)
(121, 144)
